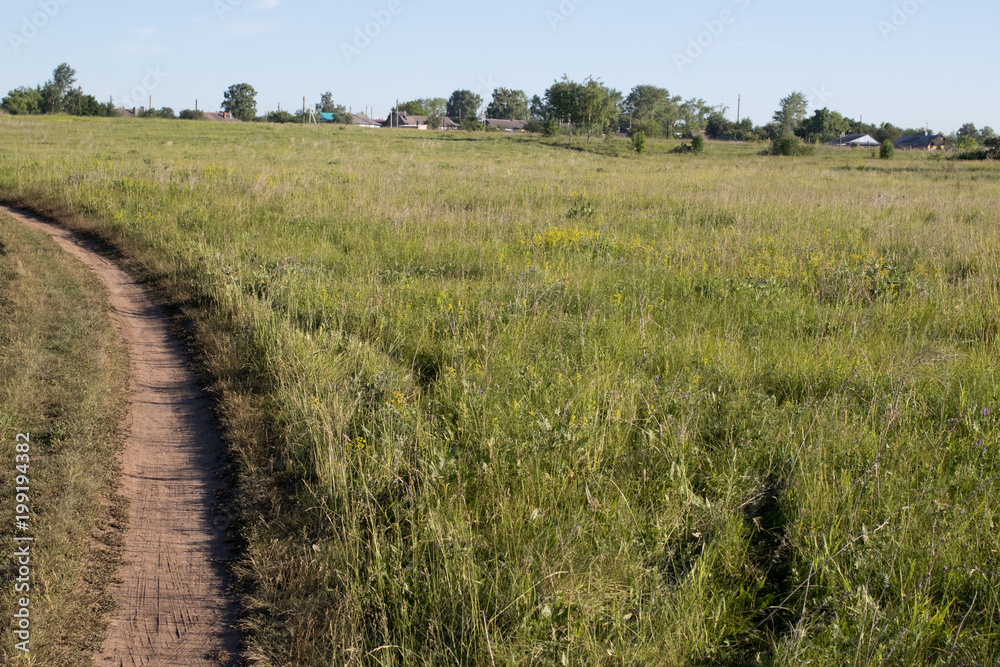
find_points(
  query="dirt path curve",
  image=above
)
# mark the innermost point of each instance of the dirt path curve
(172, 603)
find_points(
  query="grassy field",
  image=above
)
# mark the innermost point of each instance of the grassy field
(62, 381)
(494, 401)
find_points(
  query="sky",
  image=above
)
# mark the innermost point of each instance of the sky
(909, 62)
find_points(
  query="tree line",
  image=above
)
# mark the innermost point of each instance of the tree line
(57, 95)
(588, 107)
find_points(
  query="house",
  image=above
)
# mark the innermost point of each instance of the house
(405, 121)
(221, 116)
(362, 120)
(862, 140)
(506, 125)
(921, 142)
(134, 112)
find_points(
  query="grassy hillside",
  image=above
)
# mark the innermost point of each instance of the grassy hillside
(494, 401)
(62, 382)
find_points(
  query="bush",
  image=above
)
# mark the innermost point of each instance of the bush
(639, 142)
(470, 125)
(551, 127)
(535, 126)
(887, 151)
(192, 114)
(698, 144)
(790, 145)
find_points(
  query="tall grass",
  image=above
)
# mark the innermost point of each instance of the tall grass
(499, 402)
(62, 382)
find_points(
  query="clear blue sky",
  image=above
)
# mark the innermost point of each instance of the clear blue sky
(910, 62)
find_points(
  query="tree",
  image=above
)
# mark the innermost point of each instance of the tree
(792, 112)
(639, 142)
(590, 104)
(824, 125)
(75, 102)
(599, 106)
(541, 110)
(463, 104)
(23, 101)
(651, 110)
(424, 106)
(564, 97)
(192, 114)
(339, 111)
(508, 104)
(241, 101)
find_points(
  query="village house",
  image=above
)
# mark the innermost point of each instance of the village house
(506, 125)
(852, 140)
(921, 142)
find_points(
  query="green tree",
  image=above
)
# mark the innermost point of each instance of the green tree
(540, 109)
(55, 90)
(339, 111)
(463, 104)
(76, 103)
(508, 104)
(792, 111)
(698, 144)
(192, 114)
(23, 101)
(589, 105)
(241, 101)
(639, 142)
(651, 110)
(564, 97)
(600, 106)
(824, 125)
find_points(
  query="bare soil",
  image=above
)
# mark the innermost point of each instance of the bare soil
(172, 602)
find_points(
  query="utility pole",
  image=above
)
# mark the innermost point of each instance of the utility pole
(739, 102)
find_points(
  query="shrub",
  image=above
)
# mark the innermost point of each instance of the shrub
(192, 114)
(551, 127)
(470, 125)
(639, 142)
(698, 144)
(790, 145)
(887, 151)
(535, 126)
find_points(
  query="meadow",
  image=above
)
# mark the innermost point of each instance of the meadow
(494, 401)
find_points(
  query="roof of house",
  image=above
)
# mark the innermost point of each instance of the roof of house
(859, 139)
(918, 141)
(221, 116)
(403, 119)
(362, 119)
(134, 112)
(504, 124)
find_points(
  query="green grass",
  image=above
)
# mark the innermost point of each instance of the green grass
(62, 380)
(494, 400)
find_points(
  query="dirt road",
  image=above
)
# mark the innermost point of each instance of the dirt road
(172, 603)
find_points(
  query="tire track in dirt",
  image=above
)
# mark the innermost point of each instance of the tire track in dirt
(172, 605)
